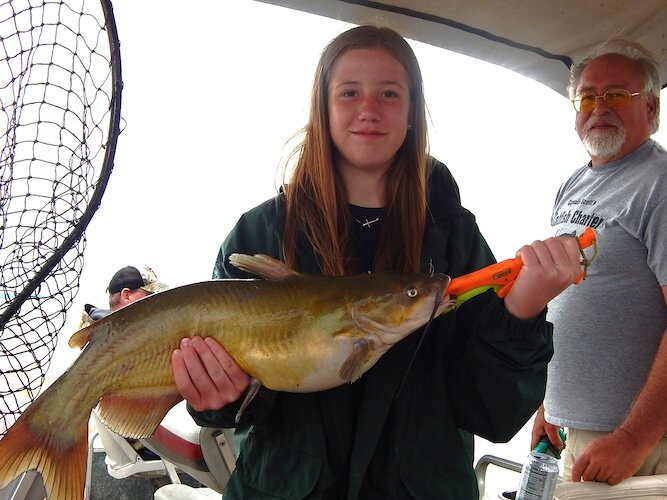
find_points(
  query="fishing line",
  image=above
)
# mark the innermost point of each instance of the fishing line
(438, 301)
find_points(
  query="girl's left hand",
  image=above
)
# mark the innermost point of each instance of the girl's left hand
(549, 267)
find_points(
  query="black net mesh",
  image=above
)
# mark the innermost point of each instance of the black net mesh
(59, 115)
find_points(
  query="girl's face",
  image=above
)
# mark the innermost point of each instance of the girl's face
(369, 104)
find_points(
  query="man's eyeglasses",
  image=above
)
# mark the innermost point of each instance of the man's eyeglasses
(613, 98)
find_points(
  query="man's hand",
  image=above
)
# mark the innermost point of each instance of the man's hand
(541, 428)
(206, 375)
(610, 459)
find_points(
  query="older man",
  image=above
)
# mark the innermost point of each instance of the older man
(608, 379)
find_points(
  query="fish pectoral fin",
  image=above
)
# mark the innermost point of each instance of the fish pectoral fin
(137, 413)
(253, 389)
(353, 366)
(262, 265)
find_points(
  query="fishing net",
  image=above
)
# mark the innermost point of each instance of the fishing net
(60, 91)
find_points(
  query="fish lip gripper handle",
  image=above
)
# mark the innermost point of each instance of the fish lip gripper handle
(501, 275)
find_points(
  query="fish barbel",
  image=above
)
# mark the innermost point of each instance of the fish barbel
(291, 332)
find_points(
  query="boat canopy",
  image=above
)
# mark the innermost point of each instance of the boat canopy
(537, 39)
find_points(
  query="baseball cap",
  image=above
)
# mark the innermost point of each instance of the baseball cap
(136, 277)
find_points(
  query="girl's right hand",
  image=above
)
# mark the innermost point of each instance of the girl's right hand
(548, 268)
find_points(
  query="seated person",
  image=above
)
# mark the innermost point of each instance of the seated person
(126, 286)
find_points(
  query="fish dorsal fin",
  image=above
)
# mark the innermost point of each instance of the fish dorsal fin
(262, 265)
(353, 366)
(81, 338)
(137, 413)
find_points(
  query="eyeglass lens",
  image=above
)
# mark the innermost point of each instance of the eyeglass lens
(615, 98)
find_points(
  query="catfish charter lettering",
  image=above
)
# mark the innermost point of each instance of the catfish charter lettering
(578, 217)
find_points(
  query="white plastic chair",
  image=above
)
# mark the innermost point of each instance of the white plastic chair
(206, 454)
(122, 459)
(203, 453)
(28, 486)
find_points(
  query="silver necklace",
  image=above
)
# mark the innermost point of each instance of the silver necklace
(367, 223)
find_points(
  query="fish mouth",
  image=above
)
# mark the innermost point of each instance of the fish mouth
(440, 304)
(441, 301)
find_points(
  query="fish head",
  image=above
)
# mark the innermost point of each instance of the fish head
(399, 304)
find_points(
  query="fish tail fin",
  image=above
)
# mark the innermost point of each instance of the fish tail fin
(29, 445)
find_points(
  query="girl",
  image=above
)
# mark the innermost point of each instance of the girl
(365, 196)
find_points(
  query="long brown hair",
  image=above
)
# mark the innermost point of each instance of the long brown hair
(316, 197)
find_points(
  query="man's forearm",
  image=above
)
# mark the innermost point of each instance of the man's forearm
(646, 423)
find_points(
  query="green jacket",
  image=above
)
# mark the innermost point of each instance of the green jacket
(479, 371)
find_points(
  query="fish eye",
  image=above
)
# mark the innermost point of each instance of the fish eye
(412, 291)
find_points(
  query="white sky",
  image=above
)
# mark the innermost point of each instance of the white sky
(213, 90)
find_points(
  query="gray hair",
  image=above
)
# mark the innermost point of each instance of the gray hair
(633, 51)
